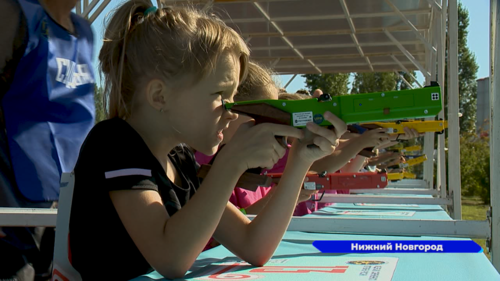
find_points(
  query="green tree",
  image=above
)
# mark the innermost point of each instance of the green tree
(400, 85)
(467, 74)
(371, 82)
(100, 113)
(475, 166)
(333, 84)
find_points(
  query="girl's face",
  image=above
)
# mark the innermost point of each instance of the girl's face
(197, 112)
(270, 93)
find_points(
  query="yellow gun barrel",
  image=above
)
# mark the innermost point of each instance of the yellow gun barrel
(400, 176)
(419, 126)
(413, 162)
(395, 176)
(410, 148)
(408, 175)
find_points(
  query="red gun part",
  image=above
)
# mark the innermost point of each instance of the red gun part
(342, 181)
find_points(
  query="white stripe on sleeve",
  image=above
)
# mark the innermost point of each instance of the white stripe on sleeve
(127, 172)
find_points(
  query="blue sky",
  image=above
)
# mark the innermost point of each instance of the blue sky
(477, 39)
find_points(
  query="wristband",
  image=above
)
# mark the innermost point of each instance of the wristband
(243, 211)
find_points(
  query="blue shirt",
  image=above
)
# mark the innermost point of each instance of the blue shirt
(49, 108)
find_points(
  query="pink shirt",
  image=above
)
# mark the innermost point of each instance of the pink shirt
(243, 198)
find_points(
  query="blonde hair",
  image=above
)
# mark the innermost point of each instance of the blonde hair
(258, 84)
(287, 96)
(170, 43)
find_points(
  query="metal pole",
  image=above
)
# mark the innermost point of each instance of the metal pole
(410, 24)
(453, 121)
(494, 134)
(441, 157)
(78, 8)
(290, 81)
(429, 137)
(406, 70)
(403, 79)
(407, 54)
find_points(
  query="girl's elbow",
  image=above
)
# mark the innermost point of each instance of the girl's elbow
(259, 260)
(258, 263)
(173, 270)
(172, 273)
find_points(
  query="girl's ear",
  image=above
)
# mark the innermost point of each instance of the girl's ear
(157, 94)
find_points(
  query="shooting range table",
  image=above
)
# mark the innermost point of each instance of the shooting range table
(297, 252)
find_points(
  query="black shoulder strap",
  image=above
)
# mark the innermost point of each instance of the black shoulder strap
(18, 47)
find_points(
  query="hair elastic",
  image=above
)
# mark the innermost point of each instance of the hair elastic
(150, 10)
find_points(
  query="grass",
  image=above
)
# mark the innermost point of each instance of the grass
(473, 209)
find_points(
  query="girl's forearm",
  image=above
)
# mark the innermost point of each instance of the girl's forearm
(267, 229)
(338, 159)
(187, 232)
(258, 206)
(355, 165)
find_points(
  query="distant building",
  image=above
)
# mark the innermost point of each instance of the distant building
(483, 106)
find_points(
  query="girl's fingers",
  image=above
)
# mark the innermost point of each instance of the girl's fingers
(324, 145)
(317, 93)
(275, 156)
(280, 150)
(282, 130)
(321, 131)
(338, 124)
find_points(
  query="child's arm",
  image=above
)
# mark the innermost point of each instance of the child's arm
(256, 242)
(355, 165)
(258, 206)
(171, 244)
(384, 157)
(341, 157)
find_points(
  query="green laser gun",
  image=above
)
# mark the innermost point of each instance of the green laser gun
(359, 108)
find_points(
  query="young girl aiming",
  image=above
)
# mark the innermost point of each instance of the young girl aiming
(168, 72)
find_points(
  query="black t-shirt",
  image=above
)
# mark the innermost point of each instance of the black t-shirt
(115, 157)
